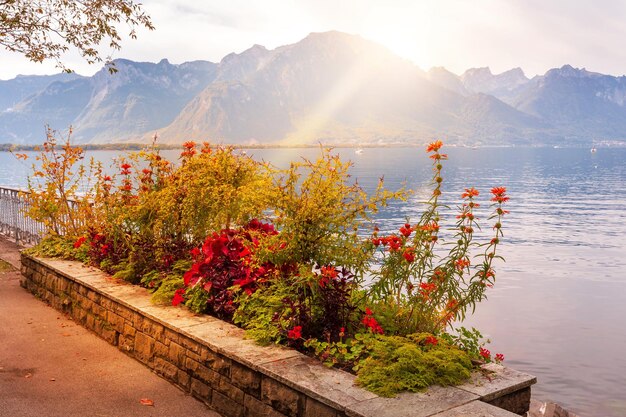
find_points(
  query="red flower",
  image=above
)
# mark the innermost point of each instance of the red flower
(295, 333)
(376, 241)
(106, 178)
(484, 353)
(434, 146)
(499, 195)
(409, 255)
(406, 230)
(469, 193)
(125, 169)
(499, 357)
(394, 243)
(370, 322)
(431, 340)
(178, 297)
(195, 252)
(79, 242)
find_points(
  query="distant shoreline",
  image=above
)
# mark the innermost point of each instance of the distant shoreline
(8, 147)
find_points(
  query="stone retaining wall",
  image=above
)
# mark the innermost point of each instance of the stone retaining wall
(211, 360)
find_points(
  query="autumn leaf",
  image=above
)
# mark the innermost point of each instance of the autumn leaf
(147, 402)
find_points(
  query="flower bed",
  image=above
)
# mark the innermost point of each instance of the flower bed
(316, 274)
(211, 360)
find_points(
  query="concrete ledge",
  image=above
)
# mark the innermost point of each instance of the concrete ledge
(213, 361)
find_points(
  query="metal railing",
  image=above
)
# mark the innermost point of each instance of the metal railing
(13, 221)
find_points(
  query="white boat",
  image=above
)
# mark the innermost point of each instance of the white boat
(358, 151)
(593, 149)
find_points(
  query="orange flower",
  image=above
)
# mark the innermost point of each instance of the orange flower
(434, 146)
(461, 264)
(470, 192)
(499, 195)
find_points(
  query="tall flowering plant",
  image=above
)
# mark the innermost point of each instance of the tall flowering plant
(417, 286)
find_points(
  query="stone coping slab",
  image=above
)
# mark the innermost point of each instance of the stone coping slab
(331, 387)
(497, 381)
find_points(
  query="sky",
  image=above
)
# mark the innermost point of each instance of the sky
(536, 35)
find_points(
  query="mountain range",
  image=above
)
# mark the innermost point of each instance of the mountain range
(330, 87)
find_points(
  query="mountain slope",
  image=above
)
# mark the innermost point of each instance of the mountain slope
(330, 86)
(578, 102)
(108, 108)
(15, 90)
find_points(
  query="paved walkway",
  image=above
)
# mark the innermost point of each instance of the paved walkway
(50, 366)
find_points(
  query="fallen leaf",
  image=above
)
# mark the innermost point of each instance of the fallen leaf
(146, 402)
(28, 375)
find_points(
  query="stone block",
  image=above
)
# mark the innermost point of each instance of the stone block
(105, 331)
(313, 408)
(282, 398)
(106, 303)
(160, 350)
(225, 406)
(183, 379)
(246, 379)
(225, 387)
(496, 380)
(176, 354)
(331, 386)
(215, 361)
(154, 329)
(116, 321)
(190, 344)
(193, 356)
(126, 343)
(476, 409)
(170, 335)
(256, 408)
(200, 390)
(517, 402)
(165, 369)
(434, 400)
(90, 322)
(144, 347)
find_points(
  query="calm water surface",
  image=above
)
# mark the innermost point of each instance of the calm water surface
(558, 310)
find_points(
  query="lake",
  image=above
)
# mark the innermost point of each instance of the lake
(558, 309)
